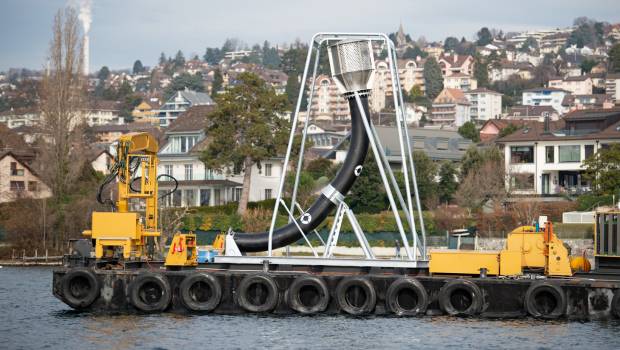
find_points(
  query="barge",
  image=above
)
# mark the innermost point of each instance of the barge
(113, 269)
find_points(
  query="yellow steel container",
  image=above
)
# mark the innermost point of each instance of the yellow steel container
(466, 262)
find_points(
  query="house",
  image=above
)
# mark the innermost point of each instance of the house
(507, 69)
(146, 112)
(103, 112)
(328, 105)
(461, 81)
(451, 107)
(19, 180)
(14, 118)
(535, 113)
(552, 97)
(100, 160)
(579, 85)
(179, 103)
(276, 78)
(612, 87)
(110, 133)
(485, 104)
(453, 64)
(410, 73)
(325, 136)
(546, 158)
(573, 102)
(179, 157)
(491, 129)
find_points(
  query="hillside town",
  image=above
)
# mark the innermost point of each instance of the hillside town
(543, 102)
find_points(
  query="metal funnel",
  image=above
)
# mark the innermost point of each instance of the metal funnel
(352, 64)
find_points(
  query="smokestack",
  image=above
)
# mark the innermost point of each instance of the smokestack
(85, 17)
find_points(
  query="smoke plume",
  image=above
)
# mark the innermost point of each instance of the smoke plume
(85, 15)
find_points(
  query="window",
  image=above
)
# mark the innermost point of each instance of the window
(17, 186)
(267, 193)
(569, 154)
(189, 171)
(168, 169)
(549, 154)
(237, 194)
(589, 151)
(521, 154)
(176, 198)
(32, 186)
(522, 181)
(205, 195)
(15, 171)
(268, 169)
(189, 199)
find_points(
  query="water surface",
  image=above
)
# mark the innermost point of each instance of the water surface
(31, 318)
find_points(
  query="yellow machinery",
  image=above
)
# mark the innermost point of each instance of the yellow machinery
(135, 165)
(182, 251)
(525, 249)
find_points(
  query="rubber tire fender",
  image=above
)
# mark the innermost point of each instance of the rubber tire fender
(615, 304)
(445, 293)
(391, 297)
(530, 300)
(293, 295)
(83, 301)
(357, 281)
(195, 305)
(136, 285)
(272, 293)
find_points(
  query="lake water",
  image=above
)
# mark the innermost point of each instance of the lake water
(31, 318)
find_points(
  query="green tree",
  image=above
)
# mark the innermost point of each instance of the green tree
(124, 90)
(469, 131)
(138, 67)
(245, 129)
(162, 59)
(213, 55)
(481, 71)
(587, 65)
(179, 60)
(529, 44)
(294, 59)
(218, 80)
(292, 88)
(447, 181)
(475, 157)
(603, 170)
(509, 129)
(484, 37)
(614, 59)
(433, 78)
(104, 73)
(450, 43)
(185, 80)
(320, 167)
(270, 56)
(426, 172)
(368, 194)
(414, 52)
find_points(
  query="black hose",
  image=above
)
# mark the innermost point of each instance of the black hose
(258, 242)
(176, 185)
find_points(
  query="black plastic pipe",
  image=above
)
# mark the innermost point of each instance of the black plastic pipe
(283, 236)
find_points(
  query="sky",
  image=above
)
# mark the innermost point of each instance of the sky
(125, 30)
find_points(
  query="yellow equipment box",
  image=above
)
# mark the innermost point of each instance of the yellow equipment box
(466, 262)
(115, 225)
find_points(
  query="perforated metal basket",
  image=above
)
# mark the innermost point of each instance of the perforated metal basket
(352, 64)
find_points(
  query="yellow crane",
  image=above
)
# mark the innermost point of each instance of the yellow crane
(135, 169)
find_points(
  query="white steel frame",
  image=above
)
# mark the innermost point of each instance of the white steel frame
(416, 255)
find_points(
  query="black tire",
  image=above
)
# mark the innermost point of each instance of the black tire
(150, 292)
(615, 304)
(200, 292)
(258, 293)
(356, 295)
(308, 295)
(460, 298)
(545, 300)
(407, 297)
(80, 288)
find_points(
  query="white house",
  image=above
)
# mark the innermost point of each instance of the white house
(20, 117)
(546, 158)
(179, 103)
(579, 85)
(612, 87)
(485, 104)
(545, 97)
(461, 81)
(326, 136)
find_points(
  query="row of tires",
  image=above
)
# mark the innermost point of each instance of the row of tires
(307, 294)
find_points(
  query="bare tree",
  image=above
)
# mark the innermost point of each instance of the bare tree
(62, 101)
(481, 185)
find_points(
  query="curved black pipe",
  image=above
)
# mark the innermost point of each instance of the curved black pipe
(258, 242)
